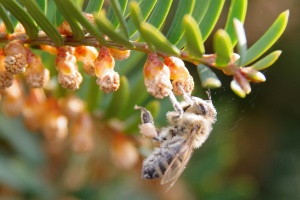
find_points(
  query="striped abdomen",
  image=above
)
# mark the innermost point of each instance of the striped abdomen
(157, 163)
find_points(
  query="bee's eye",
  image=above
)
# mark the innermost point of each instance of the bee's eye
(202, 109)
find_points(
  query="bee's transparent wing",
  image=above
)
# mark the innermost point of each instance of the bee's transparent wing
(180, 160)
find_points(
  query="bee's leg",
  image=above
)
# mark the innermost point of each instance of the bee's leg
(147, 127)
(187, 97)
(176, 105)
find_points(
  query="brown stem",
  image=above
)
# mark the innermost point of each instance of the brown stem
(206, 59)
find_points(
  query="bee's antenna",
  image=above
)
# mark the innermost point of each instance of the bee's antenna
(208, 94)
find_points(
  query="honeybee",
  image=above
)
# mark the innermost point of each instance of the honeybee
(189, 126)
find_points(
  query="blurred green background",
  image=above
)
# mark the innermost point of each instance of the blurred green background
(253, 151)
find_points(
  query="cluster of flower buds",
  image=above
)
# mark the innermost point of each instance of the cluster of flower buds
(158, 75)
(66, 65)
(242, 76)
(100, 64)
(56, 119)
(96, 64)
(107, 78)
(15, 61)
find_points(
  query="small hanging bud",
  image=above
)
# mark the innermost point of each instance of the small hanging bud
(243, 82)
(119, 54)
(107, 78)
(237, 89)
(13, 98)
(15, 61)
(50, 49)
(71, 80)
(65, 28)
(19, 28)
(157, 77)
(72, 106)
(81, 133)
(55, 124)
(123, 152)
(89, 17)
(253, 75)
(68, 75)
(180, 75)
(36, 75)
(33, 109)
(2, 28)
(6, 78)
(87, 55)
(240, 85)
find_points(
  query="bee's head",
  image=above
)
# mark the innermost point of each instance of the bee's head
(204, 108)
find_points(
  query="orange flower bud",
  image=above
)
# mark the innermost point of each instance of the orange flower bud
(89, 17)
(19, 28)
(55, 124)
(119, 54)
(50, 49)
(87, 55)
(157, 77)
(34, 109)
(123, 152)
(15, 64)
(81, 133)
(65, 29)
(15, 47)
(36, 75)
(6, 78)
(2, 27)
(70, 80)
(107, 78)
(180, 75)
(13, 98)
(72, 106)
(68, 75)
(15, 61)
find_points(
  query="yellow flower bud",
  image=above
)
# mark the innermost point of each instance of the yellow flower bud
(180, 75)
(107, 78)
(157, 77)
(81, 133)
(123, 152)
(119, 54)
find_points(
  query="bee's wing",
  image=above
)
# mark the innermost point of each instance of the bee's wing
(183, 156)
